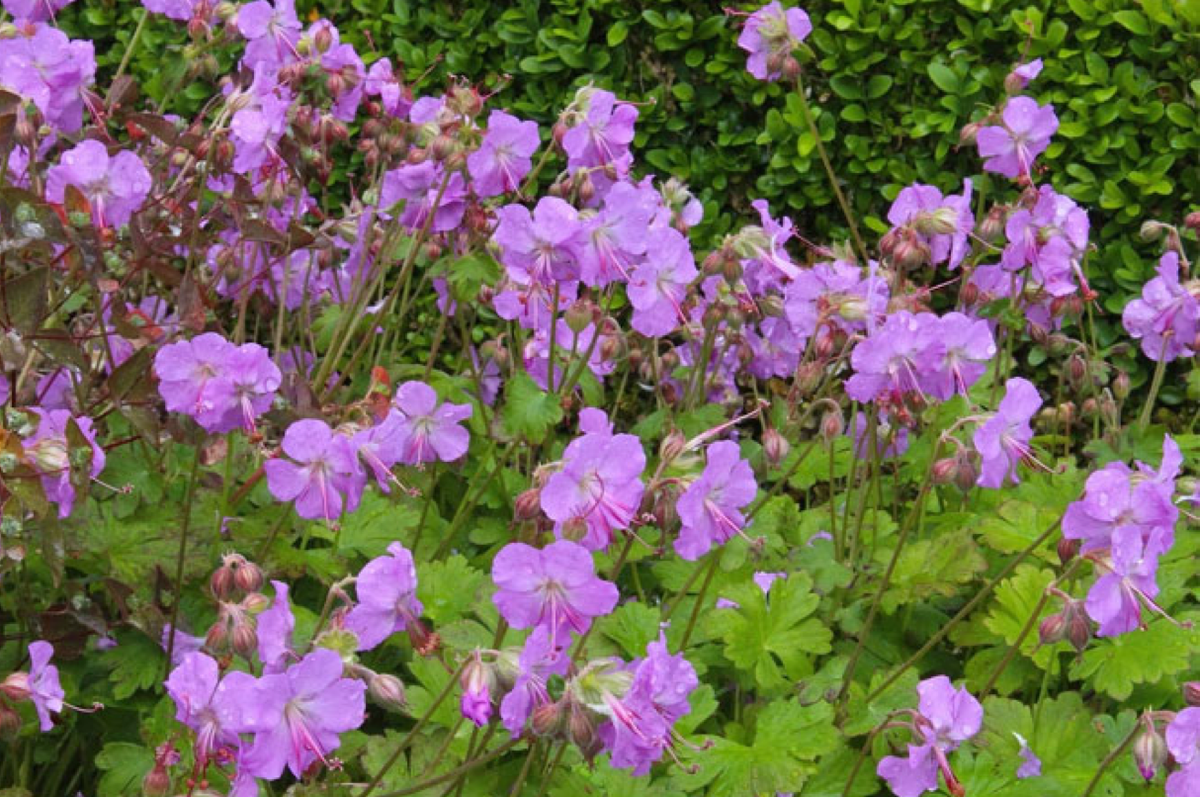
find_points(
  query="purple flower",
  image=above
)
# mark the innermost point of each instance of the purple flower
(770, 35)
(615, 239)
(1031, 765)
(187, 369)
(710, 509)
(185, 643)
(419, 185)
(394, 96)
(50, 451)
(1019, 78)
(314, 704)
(539, 247)
(114, 187)
(1166, 317)
(382, 446)
(658, 287)
(275, 627)
(429, 432)
(942, 223)
(505, 156)
(1025, 132)
(387, 598)
(34, 10)
(555, 588)
(969, 347)
(243, 392)
(179, 10)
(945, 718)
(1115, 600)
(898, 358)
(599, 483)
(322, 475)
(1183, 742)
(52, 71)
(834, 296)
(1003, 441)
(271, 32)
(345, 75)
(44, 688)
(260, 121)
(859, 430)
(1118, 500)
(768, 264)
(602, 132)
(539, 660)
(210, 706)
(1184, 782)
(568, 345)
(639, 730)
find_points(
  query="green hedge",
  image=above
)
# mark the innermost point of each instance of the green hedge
(893, 82)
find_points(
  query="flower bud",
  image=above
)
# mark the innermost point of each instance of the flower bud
(581, 729)
(217, 637)
(1090, 407)
(16, 686)
(323, 39)
(966, 136)
(1067, 550)
(1191, 693)
(1150, 751)
(10, 722)
(528, 505)
(245, 639)
(942, 221)
(221, 583)
(1152, 230)
(832, 425)
(388, 691)
(992, 225)
(911, 252)
(1052, 629)
(775, 447)
(586, 188)
(575, 529)
(1076, 371)
(547, 719)
(248, 577)
(967, 470)
(672, 446)
(1120, 386)
(255, 603)
(157, 782)
(853, 308)
(945, 470)
(1079, 627)
(1192, 221)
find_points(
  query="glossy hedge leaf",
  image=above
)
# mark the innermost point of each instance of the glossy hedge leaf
(769, 635)
(529, 411)
(787, 738)
(1114, 665)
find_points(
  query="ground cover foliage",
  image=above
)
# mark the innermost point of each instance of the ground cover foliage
(365, 439)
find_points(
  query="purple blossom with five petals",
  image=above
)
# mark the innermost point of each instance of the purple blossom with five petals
(539, 660)
(49, 449)
(321, 476)
(1003, 440)
(430, 432)
(710, 509)
(275, 627)
(770, 35)
(943, 223)
(209, 705)
(602, 132)
(1183, 742)
(945, 718)
(555, 587)
(114, 186)
(387, 597)
(308, 707)
(504, 156)
(44, 688)
(1024, 133)
(420, 185)
(658, 287)
(1166, 319)
(898, 358)
(539, 247)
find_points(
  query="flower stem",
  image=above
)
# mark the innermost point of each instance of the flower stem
(403, 744)
(1110, 758)
(454, 774)
(708, 577)
(1155, 383)
(833, 181)
(964, 611)
(133, 43)
(184, 527)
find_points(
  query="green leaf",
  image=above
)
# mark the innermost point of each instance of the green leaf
(943, 77)
(378, 522)
(124, 765)
(137, 663)
(632, 625)
(617, 33)
(529, 411)
(1133, 21)
(787, 738)
(1114, 664)
(449, 589)
(769, 635)
(934, 567)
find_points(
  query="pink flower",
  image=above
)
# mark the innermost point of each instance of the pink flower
(555, 588)
(275, 627)
(44, 688)
(213, 710)
(945, 718)
(322, 475)
(1166, 318)
(1025, 133)
(49, 448)
(657, 288)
